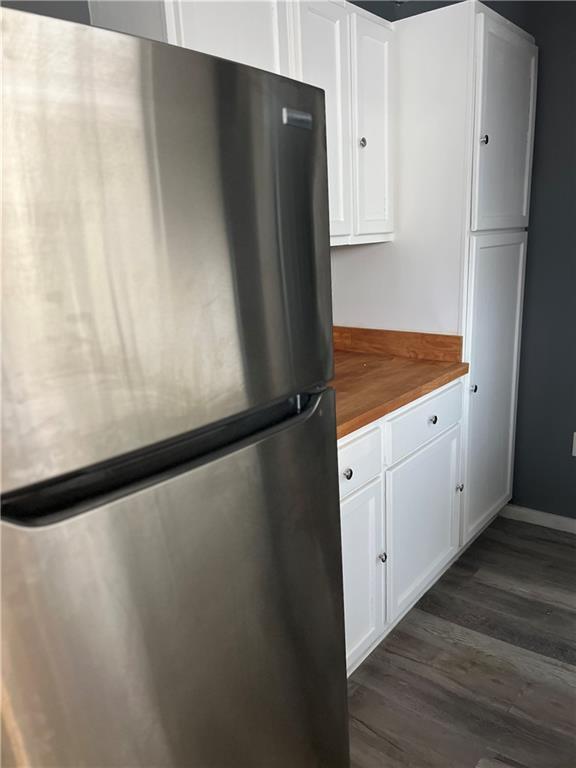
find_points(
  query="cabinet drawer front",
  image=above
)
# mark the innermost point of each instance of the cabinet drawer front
(359, 461)
(422, 423)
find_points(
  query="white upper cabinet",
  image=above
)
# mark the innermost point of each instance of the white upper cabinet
(253, 33)
(496, 289)
(504, 125)
(347, 53)
(323, 59)
(371, 54)
(328, 43)
(459, 73)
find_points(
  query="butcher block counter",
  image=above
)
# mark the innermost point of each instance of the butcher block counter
(377, 372)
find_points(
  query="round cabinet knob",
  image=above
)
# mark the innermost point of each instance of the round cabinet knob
(348, 473)
(383, 557)
(484, 139)
(474, 388)
(433, 419)
(363, 142)
(460, 487)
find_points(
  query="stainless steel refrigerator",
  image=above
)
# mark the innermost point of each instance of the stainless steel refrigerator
(170, 539)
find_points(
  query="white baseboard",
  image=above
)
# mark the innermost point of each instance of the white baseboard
(534, 516)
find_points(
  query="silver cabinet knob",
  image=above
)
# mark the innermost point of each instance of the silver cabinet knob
(484, 139)
(348, 473)
(460, 487)
(383, 557)
(363, 142)
(433, 419)
(474, 388)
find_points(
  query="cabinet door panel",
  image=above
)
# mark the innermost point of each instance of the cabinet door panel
(371, 46)
(423, 505)
(505, 104)
(247, 32)
(363, 572)
(497, 279)
(325, 62)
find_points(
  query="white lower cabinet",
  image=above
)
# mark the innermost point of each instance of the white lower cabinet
(423, 498)
(363, 552)
(400, 490)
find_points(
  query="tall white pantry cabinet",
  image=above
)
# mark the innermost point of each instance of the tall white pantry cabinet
(495, 112)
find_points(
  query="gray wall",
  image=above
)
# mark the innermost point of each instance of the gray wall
(514, 10)
(71, 10)
(545, 471)
(144, 18)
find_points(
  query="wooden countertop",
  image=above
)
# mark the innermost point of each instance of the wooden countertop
(368, 386)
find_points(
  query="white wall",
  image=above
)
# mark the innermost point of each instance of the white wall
(416, 282)
(387, 286)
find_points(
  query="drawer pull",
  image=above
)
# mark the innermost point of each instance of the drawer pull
(474, 388)
(421, 423)
(383, 557)
(348, 473)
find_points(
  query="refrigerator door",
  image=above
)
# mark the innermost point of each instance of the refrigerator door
(165, 239)
(195, 622)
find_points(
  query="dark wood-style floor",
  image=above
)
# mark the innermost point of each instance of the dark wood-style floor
(482, 672)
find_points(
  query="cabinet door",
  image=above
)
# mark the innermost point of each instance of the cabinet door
(371, 55)
(324, 61)
(243, 31)
(422, 505)
(363, 570)
(493, 341)
(504, 131)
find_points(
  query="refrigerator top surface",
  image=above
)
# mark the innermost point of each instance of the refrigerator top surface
(166, 248)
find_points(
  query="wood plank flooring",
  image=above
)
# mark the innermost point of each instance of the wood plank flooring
(482, 672)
